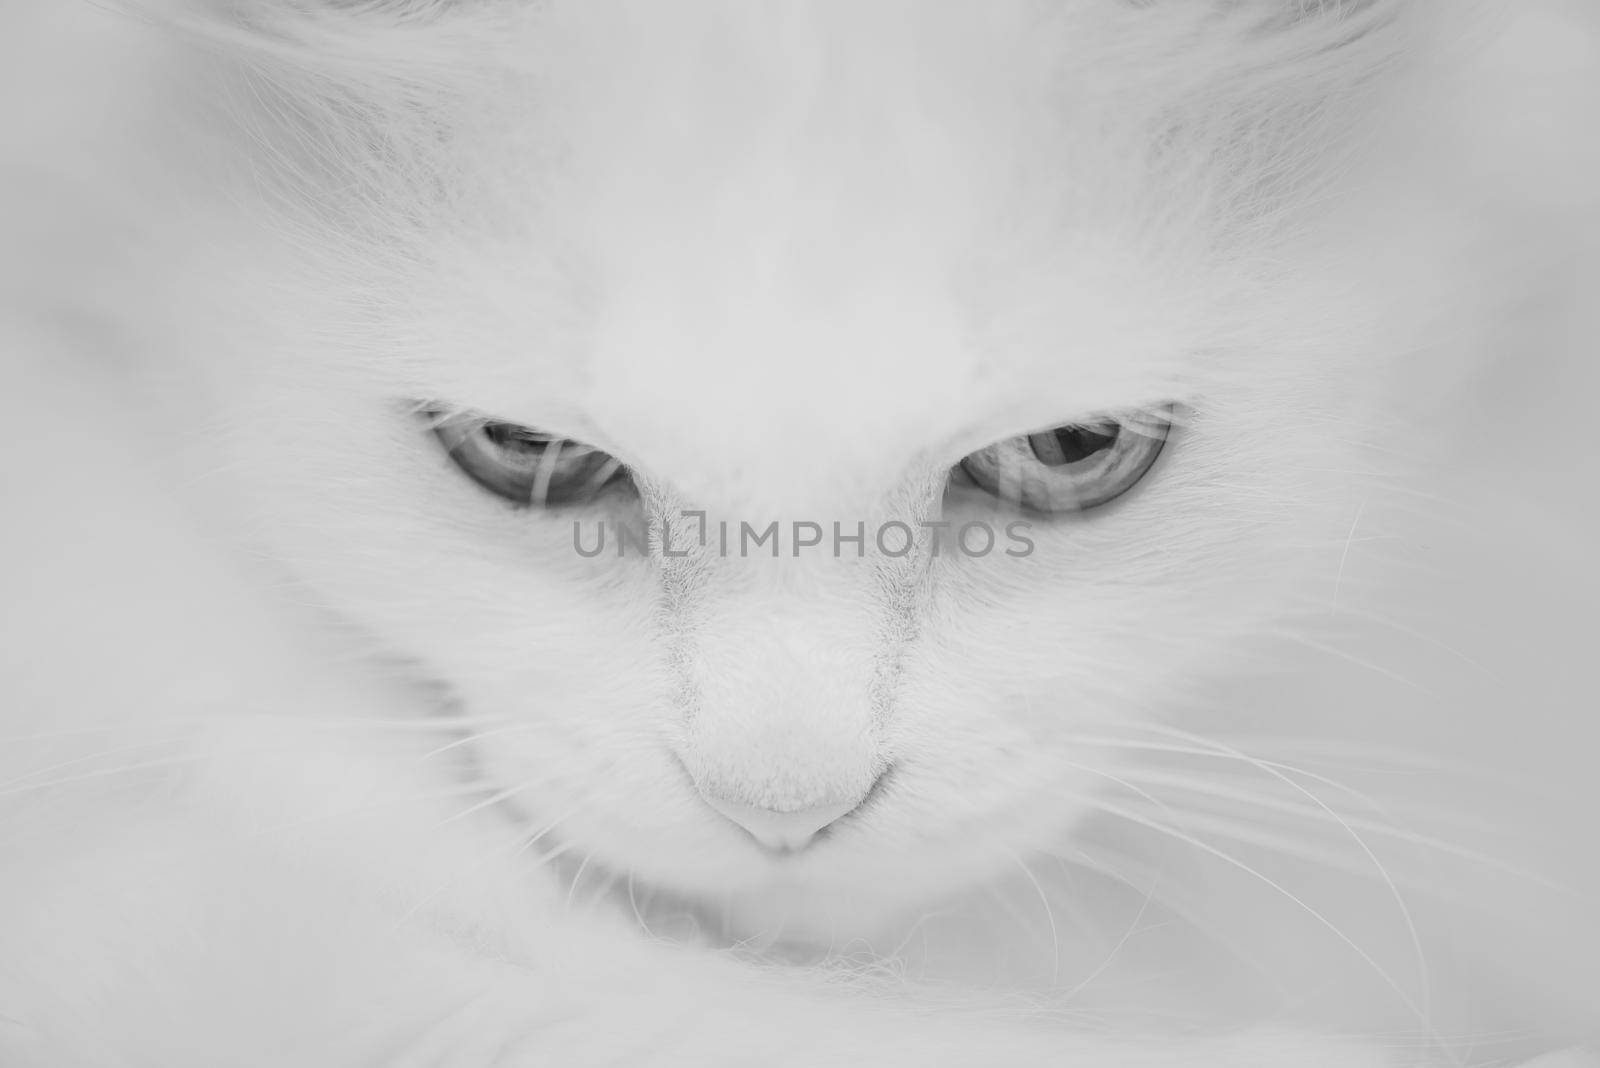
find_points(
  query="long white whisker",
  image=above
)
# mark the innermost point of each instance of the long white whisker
(1262, 803)
(1205, 847)
(477, 736)
(577, 877)
(1127, 936)
(102, 773)
(1361, 843)
(493, 799)
(1050, 918)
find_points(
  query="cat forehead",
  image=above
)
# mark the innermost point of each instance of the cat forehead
(744, 309)
(717, 223)
(792, 211)
(709, 377)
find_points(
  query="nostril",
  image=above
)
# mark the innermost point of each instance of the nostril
(782, 832)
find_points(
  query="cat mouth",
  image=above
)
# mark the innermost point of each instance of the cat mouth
(722, 889)
(638, 869)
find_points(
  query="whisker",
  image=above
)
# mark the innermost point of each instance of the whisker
(493, 799)
(1422, 636)
(1133, 817)
(1301, 638)
(577, 878)
(476, 736)
(1156, 890)
(1344, 557)
(1403, 761)
(104, 773)
(426, 725)
(1127, 936)
(76, 761)
(633, 903)
(444, 793)
(1253, 833)
(1050, 918)
(1383, 872)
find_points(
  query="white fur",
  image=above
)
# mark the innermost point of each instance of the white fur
(791, 263)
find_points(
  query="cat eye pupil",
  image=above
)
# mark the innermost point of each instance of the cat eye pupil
(1073, 444)
(512, 437)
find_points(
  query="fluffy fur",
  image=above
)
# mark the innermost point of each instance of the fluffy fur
(316, 743)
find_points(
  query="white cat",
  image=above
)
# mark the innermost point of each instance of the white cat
(1241, 703)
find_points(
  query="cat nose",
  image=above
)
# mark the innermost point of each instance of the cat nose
(782, 832)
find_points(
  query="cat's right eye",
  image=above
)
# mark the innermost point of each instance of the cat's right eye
(1071, 468)
(525, 466)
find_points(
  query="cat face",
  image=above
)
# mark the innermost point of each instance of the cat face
(792, 268)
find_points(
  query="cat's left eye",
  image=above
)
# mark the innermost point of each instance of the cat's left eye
(526, 466)
(1073, 467)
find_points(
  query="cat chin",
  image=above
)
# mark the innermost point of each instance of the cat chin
(863, 886)
(779, 906)
(622, 822)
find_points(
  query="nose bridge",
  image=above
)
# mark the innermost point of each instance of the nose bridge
(787, 684)
(800, 403)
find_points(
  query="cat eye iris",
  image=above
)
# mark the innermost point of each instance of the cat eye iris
(525, 466)
(1071, 468)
